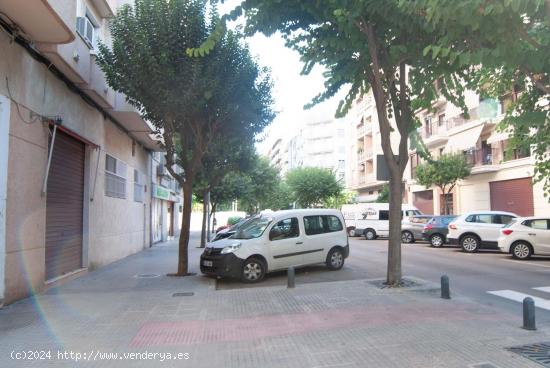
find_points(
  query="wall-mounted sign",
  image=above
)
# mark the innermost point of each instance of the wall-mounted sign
(160, 192)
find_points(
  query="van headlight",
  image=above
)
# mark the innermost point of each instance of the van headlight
(231, 248)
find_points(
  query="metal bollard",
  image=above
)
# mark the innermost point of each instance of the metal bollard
(529, 314)
(445, 289)
(290, 273)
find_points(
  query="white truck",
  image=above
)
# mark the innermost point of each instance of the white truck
(371, 220)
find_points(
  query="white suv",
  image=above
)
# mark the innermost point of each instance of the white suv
(525, 237)
(480, 229)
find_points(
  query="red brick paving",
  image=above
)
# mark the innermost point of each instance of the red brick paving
(209, 331)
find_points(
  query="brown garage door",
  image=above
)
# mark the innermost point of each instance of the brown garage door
(424, 201)
(64, 207)
(513, 195)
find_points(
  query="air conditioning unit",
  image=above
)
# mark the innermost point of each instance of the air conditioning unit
(86, 30)
(161, 170)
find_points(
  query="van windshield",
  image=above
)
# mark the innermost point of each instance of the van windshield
(253, 228)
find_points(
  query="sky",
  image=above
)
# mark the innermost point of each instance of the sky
(291, 90)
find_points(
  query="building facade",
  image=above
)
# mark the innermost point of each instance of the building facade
(364, 145)
(318, 143)
(166, 203)
(75, 162)
(501, 179)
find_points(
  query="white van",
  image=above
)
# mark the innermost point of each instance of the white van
(276, 241)
(372, 219)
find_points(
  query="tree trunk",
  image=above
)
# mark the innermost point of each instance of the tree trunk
(204, 219)
(183, 260)
(394, 244)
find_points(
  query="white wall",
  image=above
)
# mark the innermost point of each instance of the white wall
(4, 149)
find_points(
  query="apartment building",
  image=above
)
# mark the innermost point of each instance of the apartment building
(75, 162)
(318, 143)
(167, 201)
(364, 145)
(500, 179)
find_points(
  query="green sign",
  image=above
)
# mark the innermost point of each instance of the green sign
(161, 192)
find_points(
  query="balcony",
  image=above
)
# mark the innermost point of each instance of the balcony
(481, 160)
(131, 120)
(105, 8)
(97, 88)
(37, 20)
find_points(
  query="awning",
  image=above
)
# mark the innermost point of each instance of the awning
(464, 140)
(497, 137)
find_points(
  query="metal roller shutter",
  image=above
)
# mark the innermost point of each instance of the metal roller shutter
(64, 207)
(424, 201)
(514, 195)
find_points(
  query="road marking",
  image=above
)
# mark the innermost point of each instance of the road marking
(527, 263)
(546, 289)
(518, 297)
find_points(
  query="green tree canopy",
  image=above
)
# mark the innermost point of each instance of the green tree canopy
(507, 42)
(444, 173)
(191, 101)
(311, 186)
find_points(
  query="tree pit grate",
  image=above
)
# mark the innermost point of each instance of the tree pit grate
(538, 353)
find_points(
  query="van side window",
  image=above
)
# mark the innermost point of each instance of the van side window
(284, 229)
(333, 223)
(384, 215)
(322, 224)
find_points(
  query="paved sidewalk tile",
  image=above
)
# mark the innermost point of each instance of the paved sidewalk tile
(327, 324)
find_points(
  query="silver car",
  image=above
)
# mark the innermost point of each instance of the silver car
(411, 228)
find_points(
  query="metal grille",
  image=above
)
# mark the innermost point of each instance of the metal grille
(115, 186)
(539, 352)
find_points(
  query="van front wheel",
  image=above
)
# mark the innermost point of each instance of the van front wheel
(253, 270)
(370, 234)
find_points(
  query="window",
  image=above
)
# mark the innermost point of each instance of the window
(88, 28)
(285, 229)
(502, 219)
(540, 224)
(384, 215)
(470, 218)
(333, 223)
(484, 219)
(138, 186)
(447, 220)
(115, 177)
(441, 119)
(322, 224)
(411, 213)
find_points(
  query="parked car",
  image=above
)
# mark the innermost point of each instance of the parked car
(371, 220)
(277, 241)
(526, 236)
(412, 226)
(227, 231)
(476, 230)
(435, 231)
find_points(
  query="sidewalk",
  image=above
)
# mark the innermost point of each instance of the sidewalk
(332, 324)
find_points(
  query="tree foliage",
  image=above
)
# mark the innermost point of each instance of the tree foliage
(191, 101)
(311, 186)
(336, 201)
(365, 44)
(508, 43)
(445, 172)
(384, 195)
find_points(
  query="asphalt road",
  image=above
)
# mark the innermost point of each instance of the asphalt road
(471, 275)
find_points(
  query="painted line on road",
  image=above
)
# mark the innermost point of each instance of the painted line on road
(546, 289)
(518, 297)
(527, 263)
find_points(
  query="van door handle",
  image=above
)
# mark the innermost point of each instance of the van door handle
(299, 242)
(532, 234)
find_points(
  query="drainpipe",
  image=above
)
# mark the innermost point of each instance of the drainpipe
(50, 154)
(151, 201)
(4, 151)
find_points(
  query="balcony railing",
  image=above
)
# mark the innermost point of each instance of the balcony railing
(479, 157)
